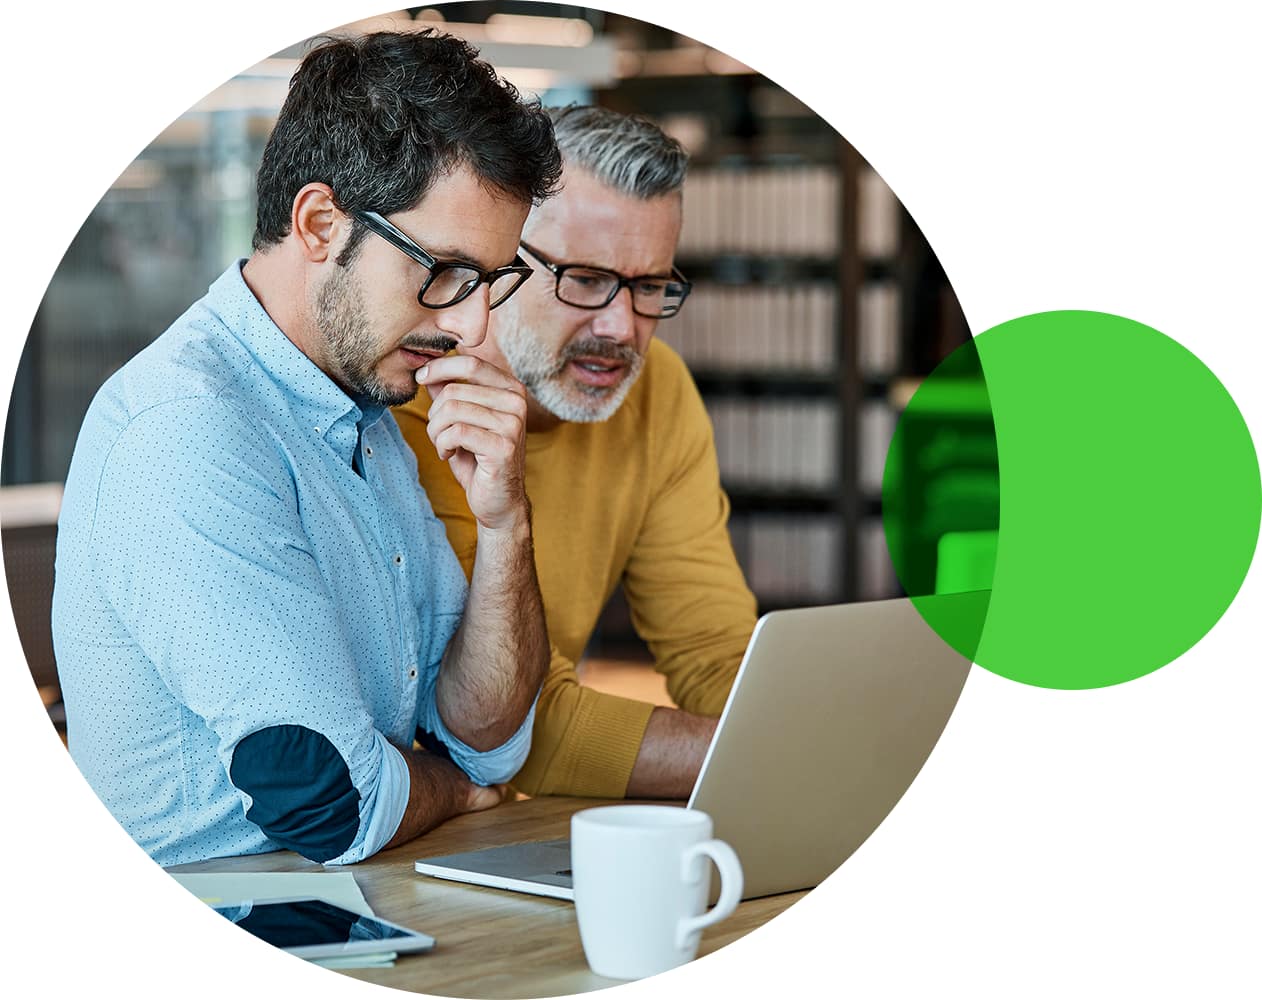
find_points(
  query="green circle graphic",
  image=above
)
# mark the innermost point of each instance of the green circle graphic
(1131, 499)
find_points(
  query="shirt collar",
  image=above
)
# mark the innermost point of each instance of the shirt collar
(317, 400)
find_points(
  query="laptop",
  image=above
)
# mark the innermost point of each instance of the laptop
(832, 713)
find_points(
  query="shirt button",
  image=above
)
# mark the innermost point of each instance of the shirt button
(412, 672)
(398, 559)
(368, 451)
(317, 430)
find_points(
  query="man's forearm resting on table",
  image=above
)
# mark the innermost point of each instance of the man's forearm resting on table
(438, 791)
(674, 747)
(497, 659)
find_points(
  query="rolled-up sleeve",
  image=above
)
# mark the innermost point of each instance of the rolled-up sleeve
(209, 568)
(484, 767)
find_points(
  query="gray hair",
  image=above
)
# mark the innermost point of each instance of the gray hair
(627, 152)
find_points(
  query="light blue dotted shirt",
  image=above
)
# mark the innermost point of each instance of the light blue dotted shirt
(242, 621)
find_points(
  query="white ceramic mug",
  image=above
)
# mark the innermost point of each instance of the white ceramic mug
(641, 882)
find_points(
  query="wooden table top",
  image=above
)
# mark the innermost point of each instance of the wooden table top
(491, 943)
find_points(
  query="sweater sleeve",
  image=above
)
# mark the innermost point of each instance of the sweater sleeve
(585, 742)
(688, 596)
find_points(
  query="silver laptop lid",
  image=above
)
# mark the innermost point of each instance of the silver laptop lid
(833, 712)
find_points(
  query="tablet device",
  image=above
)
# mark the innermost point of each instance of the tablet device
(312, 928)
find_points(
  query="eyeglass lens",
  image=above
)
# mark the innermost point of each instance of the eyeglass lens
(591, 289)
(451, 284)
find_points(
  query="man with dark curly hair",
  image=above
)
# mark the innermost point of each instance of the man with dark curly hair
(256, 611)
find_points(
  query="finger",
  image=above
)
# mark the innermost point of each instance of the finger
(491, 450)
(491, 397)
(509, 437)
(463, 466)
(459, 411)
(501, 415)
(466, 368)
(481, 798)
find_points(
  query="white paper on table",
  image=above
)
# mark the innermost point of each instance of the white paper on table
(338, 888)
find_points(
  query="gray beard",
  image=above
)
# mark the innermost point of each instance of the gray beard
(542, 372)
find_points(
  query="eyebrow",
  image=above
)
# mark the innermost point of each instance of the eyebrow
(456, 256)
(667, 274)
(459, 257)
(664, 275)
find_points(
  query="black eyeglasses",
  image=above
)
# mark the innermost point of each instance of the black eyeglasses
(652, 295)
(448, 281)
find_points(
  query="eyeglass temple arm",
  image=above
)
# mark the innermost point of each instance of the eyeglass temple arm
(554, 268)
(388, 231)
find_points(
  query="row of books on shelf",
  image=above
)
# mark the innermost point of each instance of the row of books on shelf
(877, 421)
(783, 211)
(775, 442)
(783, 328)
(877, 578)
(756, 327)
(790, 559)
(793, 443)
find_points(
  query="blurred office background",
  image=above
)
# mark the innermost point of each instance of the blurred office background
(818, 305)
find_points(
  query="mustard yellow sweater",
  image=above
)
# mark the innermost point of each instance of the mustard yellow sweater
(637, 499)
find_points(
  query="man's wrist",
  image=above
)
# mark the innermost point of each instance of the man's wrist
(438, 792)
(514, 527)
(674, 746)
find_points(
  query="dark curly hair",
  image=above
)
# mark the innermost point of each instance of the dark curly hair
(379, 117)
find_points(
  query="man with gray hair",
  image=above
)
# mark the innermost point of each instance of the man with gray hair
(620, 466)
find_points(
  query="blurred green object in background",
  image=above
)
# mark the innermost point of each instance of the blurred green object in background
(966, 561)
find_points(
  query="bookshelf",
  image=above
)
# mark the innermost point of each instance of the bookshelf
(793, 335)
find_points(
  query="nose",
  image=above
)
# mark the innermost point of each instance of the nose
(616, 321)
(467, 320)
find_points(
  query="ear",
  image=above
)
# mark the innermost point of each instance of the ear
(316, 222)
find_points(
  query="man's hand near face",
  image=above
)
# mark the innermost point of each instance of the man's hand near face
(478, 424)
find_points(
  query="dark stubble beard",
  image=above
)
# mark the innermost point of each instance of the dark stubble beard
(353, 351)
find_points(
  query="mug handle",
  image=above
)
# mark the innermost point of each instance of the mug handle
(731, 878)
